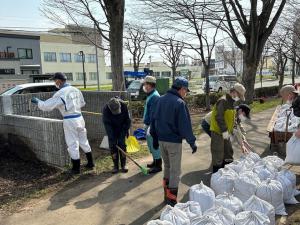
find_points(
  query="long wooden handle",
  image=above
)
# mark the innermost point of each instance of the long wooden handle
(124, 153)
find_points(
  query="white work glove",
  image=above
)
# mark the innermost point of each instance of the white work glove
(226, 135)
(148, 131)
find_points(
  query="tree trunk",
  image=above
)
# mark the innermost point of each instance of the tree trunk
(248, 77)
(207, 89)
(136, 68)
(293, 67)
(116, 21)
(173, 73)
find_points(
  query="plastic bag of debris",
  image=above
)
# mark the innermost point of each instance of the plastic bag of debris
(202, 194)
(272, 192)
(230, 202)
(245, 185)
(256, 204)
(251, 218)
(223, 181)
(191, 208)
(223, 214)
(175, 216)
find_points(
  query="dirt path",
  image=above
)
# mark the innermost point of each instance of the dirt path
(130, 198)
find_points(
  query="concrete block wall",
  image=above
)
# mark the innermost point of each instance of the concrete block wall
(43, 136)
(43, 131)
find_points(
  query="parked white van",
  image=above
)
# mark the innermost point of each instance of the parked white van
(219, 83)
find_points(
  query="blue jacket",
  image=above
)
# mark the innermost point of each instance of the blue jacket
(150, 105)
(171, 120)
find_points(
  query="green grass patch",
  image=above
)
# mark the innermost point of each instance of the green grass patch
(259, 107)
(106, 87)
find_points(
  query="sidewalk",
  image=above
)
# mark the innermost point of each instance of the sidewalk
(127, 199)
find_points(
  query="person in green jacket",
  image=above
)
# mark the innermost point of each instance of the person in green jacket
(149, 108)
(222, 126)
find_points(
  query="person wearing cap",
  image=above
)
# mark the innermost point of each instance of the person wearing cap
(69, 101)
(117, 122)
(288, 93)
(222, 124)
(149, 108)
(171, 124)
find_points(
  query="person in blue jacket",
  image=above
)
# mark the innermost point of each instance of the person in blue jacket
(170, 125)
(149, 108)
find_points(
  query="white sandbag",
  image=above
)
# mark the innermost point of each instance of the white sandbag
(191, 208)
(202, 194)
(245, 185)
(292, 177)
(223, 214)
(242, 165)
(288, 189)
(223, 181)
(251, 218)
(175, 216)
(293, 151)
(265, 171)
(275, 161)
(206, 220)
(230, 202)
(254, 203)
(272, 192)
(253, 156)
(159, 222)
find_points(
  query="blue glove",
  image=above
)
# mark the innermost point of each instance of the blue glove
(35, 100)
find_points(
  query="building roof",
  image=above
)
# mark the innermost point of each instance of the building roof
(19, 34)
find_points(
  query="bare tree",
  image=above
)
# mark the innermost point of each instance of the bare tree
(171, 53)
(280, 54)
(249, 25)
(136, 43)
(189, 18)
(107, 16)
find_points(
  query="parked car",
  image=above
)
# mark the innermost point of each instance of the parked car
(30, 88)
(219, 83)
(136, 90)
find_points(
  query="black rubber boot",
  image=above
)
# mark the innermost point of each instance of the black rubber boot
(124, 169)
(115, 159)
(75, 166)
(172, 196)
(157, 166)
(216, 168)
(90, 164)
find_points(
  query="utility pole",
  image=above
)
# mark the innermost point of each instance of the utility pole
(83, 69)
(97, 62)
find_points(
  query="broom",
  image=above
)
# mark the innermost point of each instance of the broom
(143, 169)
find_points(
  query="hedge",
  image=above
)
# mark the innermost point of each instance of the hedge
(266, 92)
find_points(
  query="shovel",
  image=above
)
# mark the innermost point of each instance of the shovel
(143, 169)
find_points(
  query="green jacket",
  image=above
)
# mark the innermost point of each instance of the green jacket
(223, 115)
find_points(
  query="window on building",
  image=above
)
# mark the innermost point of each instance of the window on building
(25, 53)
(79, 76)
(50, 56)
(65, 57)
(91, 58)
(156, 74)
(109, 75)
(77, 58)
(166, 73)
(69, 76)
(93, 76)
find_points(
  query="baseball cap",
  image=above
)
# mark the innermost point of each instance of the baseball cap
(59, 76)
(115, 106)
(245, 108)
(150, 79)
(239, 88)
(287, 89)
(181, 82)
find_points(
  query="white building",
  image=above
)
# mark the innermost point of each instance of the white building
(60, 52)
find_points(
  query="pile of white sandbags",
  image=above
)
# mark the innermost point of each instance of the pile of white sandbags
(281, 120)
(248, 191)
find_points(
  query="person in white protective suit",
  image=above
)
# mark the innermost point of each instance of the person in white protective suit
(69, 101)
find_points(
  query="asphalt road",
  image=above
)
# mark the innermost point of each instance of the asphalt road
(266, 83)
